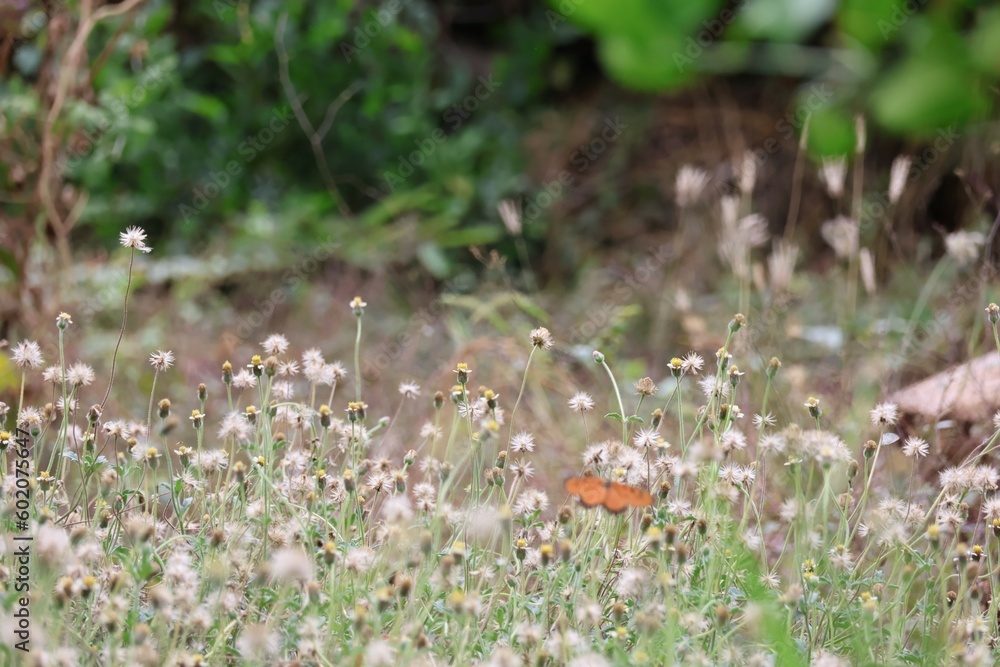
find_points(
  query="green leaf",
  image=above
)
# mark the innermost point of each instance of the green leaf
(984, 42)
(615, 416)
(925, 93)
(831, 132)
(634, 419)
(785, 20)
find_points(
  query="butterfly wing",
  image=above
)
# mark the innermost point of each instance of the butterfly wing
(591, 490)
(622, 496)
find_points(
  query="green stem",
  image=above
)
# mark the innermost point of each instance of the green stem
(524, 382)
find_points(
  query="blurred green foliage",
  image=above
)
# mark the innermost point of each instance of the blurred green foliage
(188, 130)
(912, 65)
(179, 120)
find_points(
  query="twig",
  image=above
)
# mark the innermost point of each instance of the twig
(89, 18)
(315, 136)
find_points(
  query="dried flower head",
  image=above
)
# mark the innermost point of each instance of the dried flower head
(916, 447)
(583, 402)
(689, 185)
(885, 414)
(135, 238)
(161, 360)
(841, 234)
(80, 374)
(510, 213)
(897, 177)
(832, 172)
(963, 247)
(541, 337)
(275, 344)
(27, 355)
(645, 387)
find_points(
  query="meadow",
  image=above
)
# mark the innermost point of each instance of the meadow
(278, 520)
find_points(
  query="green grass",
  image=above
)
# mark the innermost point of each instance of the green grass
(282, 523)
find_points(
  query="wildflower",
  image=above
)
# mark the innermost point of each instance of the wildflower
(161, 360)
(80, 374)
(689, 184)
(645, 387)
(197, 418)
(63, 320)
(522, 469)
(45, 480)
(812, 404)
(915, 447)
(781, 265)
(739, 238)
(379, 654)
(135, 238)
(530, 501)
(747, 172)
(993, 313)
(832, 172)
(867, 268)
(692, 363)
(885, 414)
(709, 387)
(897, 177)
(291, 564)
(761, 421)
(234, 425)
(288, 368)
(841, 234)
(631, 582)
(275, 344)
(258, 643)
(510, 214)
(541, 337)
(244, 379)
(522, 442)
(409, 390)
(963, 247)
(647, 438)
(27, 355)
(582, 402)
(731, 440)
(256, 365)
(595, 455)
(358, 306)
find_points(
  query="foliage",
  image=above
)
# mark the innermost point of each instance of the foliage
(184, 125)
(913, 68)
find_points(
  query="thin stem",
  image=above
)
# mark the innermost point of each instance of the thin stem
(357, 363)
(524, 382)
(121, 333)
(621, 405)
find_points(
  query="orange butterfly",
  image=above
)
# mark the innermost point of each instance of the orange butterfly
(615, 497)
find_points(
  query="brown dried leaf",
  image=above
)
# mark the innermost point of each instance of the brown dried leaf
(970, 392)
